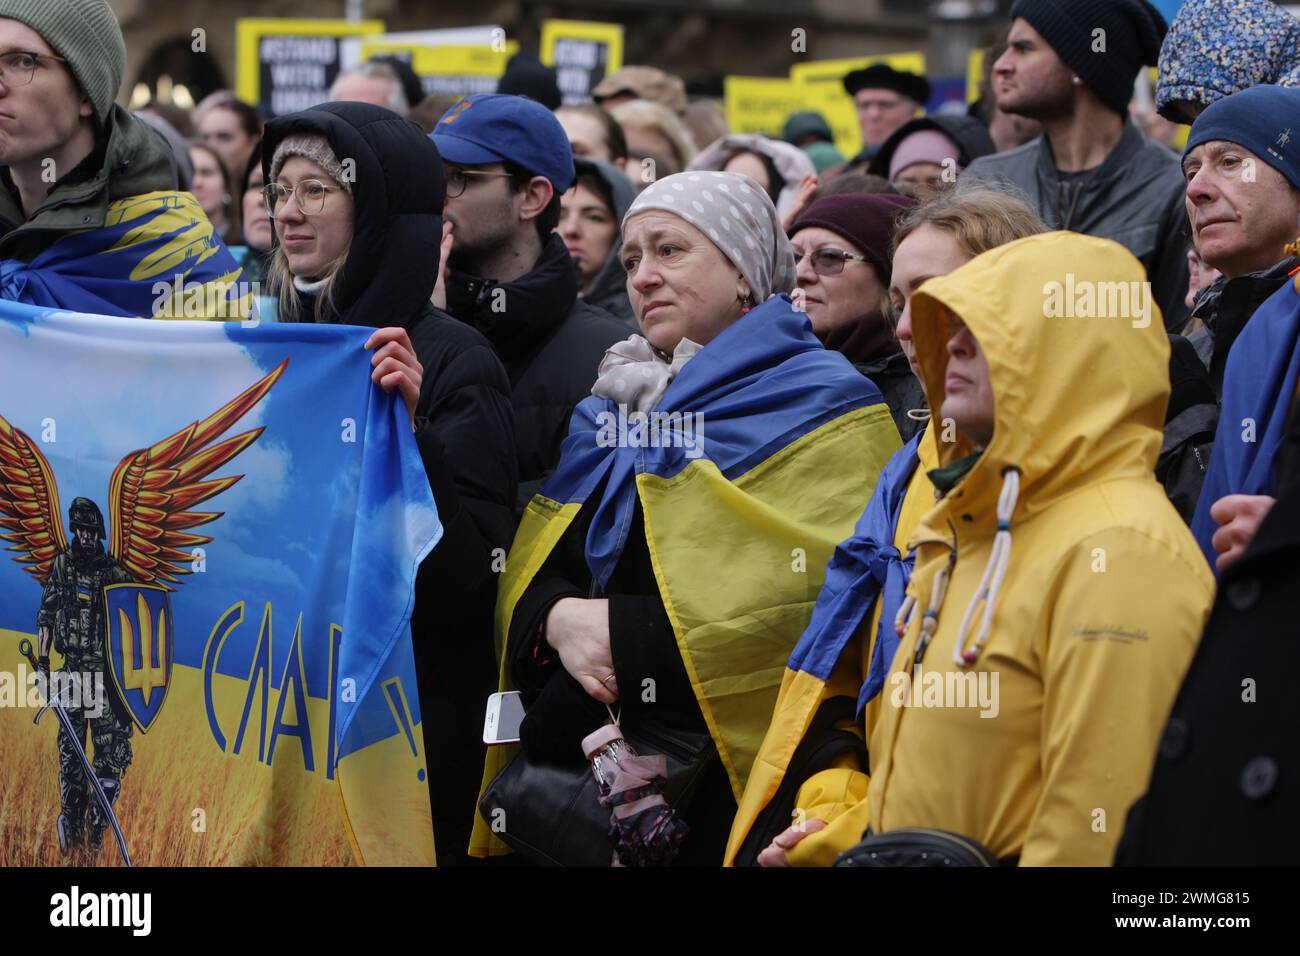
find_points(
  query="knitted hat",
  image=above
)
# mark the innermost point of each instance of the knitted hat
(865, 219)
(1263, 119)
(923, 146)
(86, 34)
(1106, 42)
(525, 75)
(314, 147)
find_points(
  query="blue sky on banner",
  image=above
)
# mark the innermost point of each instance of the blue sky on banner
(286, 534)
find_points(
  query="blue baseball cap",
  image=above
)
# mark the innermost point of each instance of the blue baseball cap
(498, 128)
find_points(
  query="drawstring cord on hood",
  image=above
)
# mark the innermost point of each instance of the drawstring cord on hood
(929, 623)
(994, 573)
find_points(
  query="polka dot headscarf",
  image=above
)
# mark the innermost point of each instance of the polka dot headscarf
(737, 215)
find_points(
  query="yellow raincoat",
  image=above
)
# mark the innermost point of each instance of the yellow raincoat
(1038, 748)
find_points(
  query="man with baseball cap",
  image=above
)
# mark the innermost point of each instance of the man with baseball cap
(1071, 66)
(886, 99)
(73, 168)
(508, 162)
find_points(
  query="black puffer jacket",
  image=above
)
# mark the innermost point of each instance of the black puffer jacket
(551, 343)
(464, 428)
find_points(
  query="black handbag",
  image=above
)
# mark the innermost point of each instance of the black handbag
(551, 815)
(918, 847)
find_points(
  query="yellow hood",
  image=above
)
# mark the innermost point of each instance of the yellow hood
(1028, 720)
(1082, 343)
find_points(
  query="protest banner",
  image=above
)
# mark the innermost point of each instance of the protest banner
(214, 538)
(285, 65)
(583, 53)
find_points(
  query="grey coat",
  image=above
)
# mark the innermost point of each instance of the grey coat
(1135, 197)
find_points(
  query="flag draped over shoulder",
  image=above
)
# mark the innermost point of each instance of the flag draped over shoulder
(1259, 390)
(754, 465)
(865, 567)
(266, 508)
(156, 256)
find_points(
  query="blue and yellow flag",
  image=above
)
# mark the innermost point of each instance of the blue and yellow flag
(1260, 388)
(753, 466)
(214, 533)
(866, 582)
(156, 256)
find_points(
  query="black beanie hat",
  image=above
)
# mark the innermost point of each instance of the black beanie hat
(525, 75)
(1108, 62)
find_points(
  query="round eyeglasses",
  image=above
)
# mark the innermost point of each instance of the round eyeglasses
(310, 194)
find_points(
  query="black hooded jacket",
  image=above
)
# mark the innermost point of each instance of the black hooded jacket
(551, 343)
(464, 429)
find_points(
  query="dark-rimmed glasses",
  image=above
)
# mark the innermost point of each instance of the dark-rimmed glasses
(458, 179)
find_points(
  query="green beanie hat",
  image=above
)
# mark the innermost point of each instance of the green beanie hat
(87, 35)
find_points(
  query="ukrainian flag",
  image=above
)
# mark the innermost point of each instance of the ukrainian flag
(824, 688)
(130, 265)
(773, 445)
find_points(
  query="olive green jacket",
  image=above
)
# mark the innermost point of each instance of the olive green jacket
(136, 160)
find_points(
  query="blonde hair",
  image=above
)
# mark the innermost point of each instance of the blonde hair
(645, 114)
(279, 282)
(979, 216)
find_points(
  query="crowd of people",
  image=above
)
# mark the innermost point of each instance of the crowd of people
(970, 526)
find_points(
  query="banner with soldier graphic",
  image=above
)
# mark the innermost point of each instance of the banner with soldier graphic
(205, 650)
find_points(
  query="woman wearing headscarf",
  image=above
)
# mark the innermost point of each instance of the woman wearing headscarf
(362, 244)
(776, 166)
(670, 562)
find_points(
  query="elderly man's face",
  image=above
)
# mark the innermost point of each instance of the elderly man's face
(880, 112)
(1242, 210)
(37, 118)
(680, 283)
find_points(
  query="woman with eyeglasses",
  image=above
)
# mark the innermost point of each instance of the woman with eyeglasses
(355, 193)
(841, 247)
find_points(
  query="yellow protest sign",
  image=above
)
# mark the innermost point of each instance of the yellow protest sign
(974, 75)
(453, 70)
(762, 104)
(289, 64)
(834, 71)
(583, 53)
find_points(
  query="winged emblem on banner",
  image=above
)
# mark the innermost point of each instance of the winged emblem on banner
(151, 496)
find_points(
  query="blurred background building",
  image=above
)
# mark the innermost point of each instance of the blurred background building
(700, 40)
